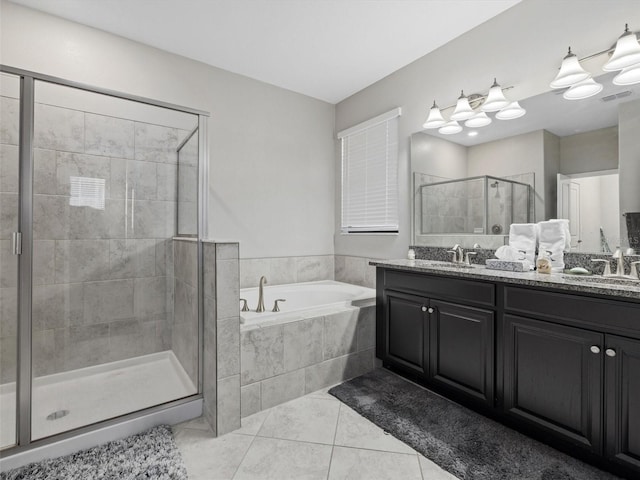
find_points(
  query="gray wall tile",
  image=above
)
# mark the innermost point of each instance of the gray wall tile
(9, 120)
(58, 128)
(99, 304)
(261, 353)
(108, 136)
(282, 388)
(228, 347)
(76, 165)
(251, 269)
(154, 143)
(340, 333)
(8, 312)
(130, 258)
(43, 262)
(149, 296)
(8, 265)
(366, 328)
(185, 255)
(250, 400)
(57, 306)
(303, 343)
(226, 251)
(227, 288)
(228, 404)
(8, 168)
(283, 270)
(8, 359)
(8, 214)
(166, 178)
(81, 260)
(309, 269)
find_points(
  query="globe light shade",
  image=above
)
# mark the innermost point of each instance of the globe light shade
(571, 72)
(463, 110)
(450, 128)
(480, 119)
(495, 99)
(435, 118)
(584, 89)
(628, 76)
(626, 53)
(511, 111)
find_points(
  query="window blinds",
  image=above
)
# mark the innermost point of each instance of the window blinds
(370, 176)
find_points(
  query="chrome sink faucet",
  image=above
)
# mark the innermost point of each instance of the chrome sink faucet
(620, 261)
(458, 254)
(260, 307)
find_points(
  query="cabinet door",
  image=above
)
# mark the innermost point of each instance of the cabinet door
(406, 332)
(622, 370)
(553, 379)
(462, 349)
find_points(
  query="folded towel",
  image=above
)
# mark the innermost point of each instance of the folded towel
(567, 232)
(552, 236)
(522, 237)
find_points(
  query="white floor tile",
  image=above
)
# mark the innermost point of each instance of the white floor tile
(209, 458)
(305, 419)
(356, 431)
(252, 424)
(357, 464)
(323, 393)
(273, 459)
(431, 471)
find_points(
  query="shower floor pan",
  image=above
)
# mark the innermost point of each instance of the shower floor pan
(68, 400)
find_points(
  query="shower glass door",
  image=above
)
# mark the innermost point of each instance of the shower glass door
(108, 338)
(9, 165)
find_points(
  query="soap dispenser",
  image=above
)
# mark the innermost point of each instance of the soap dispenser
(543, 263)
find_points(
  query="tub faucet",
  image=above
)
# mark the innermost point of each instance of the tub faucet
(261, 308)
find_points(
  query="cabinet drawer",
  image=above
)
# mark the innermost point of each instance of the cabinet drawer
(584, 311)
(465, 291)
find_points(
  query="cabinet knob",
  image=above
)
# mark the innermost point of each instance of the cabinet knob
(610, 352)
(430, 310)
(424, 309)
(595, 349)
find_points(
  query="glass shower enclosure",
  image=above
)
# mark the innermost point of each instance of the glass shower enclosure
(482, 205)
(97, 191)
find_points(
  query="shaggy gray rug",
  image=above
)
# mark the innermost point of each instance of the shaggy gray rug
(466, 444)
(151, 455)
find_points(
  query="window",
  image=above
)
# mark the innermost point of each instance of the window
(370, 175)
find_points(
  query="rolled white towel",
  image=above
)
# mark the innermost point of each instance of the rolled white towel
(522, 237)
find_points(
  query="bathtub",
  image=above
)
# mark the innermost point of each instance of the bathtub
(303, 300)
(323, 335)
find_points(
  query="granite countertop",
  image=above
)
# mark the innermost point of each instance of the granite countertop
(574, 283)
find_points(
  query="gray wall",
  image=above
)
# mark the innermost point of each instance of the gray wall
(589, 151)
(629, 147)
(272, 150)
(528, 60)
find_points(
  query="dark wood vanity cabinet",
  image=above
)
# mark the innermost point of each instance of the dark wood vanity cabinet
(563, 367)
(553, 379)
(437, 340)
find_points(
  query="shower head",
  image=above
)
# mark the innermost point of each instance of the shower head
(495, 184)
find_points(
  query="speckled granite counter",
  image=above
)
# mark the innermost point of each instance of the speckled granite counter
(573, 283)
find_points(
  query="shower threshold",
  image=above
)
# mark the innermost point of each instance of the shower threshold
(93, 394)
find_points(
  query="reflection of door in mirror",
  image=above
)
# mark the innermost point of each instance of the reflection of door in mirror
(590, 202)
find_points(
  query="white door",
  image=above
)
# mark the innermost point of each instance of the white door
(569, 206)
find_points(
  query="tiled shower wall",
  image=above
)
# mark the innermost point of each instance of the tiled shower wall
(103, 282)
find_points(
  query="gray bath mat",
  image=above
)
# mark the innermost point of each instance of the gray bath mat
(464, 443)
(152, 455)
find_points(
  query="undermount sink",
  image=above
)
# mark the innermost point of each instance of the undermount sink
(451, 265)
(614, 280)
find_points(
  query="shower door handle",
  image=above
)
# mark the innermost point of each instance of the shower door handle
(16, 243)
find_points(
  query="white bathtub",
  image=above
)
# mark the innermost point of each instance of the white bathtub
(303, 300)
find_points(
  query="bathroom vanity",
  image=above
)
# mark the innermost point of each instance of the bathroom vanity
(553, 356)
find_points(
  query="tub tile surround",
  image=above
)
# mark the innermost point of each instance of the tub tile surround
(284, 361)
(83, 255)
(283, 270)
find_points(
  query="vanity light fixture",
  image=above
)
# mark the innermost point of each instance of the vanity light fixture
(450, 128)
(625, 56)
(473, 110)
(463, 110)
(628, 76)
(478, 120)
(435, 118)
(626, 53)
(495, 99)
(584, 89)
(571, 72)
(511, 111)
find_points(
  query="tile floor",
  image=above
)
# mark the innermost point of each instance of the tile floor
(312, 437)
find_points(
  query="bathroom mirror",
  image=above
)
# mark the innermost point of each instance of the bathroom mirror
(577, 139)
